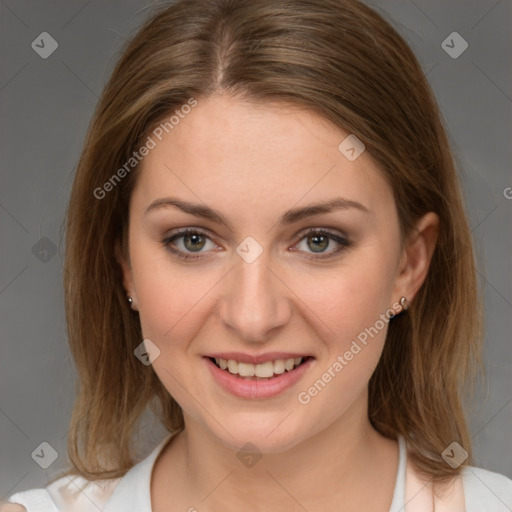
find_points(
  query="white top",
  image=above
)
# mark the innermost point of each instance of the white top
(481, 490)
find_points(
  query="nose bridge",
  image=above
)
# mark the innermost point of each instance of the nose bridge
(256, 301)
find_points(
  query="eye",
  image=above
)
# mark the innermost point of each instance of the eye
(193, 240)
(318, 240)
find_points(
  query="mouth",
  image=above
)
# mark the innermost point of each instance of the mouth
(260, 380)
(263, 371)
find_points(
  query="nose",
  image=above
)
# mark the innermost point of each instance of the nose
(256, 301)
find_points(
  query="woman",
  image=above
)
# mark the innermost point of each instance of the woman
(266, 243)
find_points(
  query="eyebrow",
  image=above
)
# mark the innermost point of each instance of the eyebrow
(289, 217)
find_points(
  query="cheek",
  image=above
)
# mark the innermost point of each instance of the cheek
(170, 302)
(352, 297)
(173, 305)
(350, 305)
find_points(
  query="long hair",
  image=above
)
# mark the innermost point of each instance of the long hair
(341, 60)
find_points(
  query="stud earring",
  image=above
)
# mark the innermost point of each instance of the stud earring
(130, 300)
(404, 303)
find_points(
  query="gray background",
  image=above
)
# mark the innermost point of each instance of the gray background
(46, 105)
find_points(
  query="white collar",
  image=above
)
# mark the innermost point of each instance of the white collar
(134, 489)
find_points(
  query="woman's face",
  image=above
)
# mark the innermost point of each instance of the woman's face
(257, 287)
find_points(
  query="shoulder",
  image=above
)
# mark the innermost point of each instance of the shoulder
(67, 493)
(486, 490)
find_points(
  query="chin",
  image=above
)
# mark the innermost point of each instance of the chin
(260, 432)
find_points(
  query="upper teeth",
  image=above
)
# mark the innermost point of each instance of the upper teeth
(267, 369)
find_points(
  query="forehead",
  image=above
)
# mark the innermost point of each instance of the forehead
(256, 156)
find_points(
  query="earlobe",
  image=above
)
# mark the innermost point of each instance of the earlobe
(417, 255)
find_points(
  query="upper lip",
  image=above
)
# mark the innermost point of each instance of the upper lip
(256, 359)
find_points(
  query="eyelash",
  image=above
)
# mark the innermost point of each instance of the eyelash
(343, 242)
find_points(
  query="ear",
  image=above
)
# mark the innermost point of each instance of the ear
(126, 270)
(416, 256)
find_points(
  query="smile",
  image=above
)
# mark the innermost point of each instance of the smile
(257, 380)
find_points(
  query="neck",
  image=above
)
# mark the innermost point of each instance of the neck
(342, 461)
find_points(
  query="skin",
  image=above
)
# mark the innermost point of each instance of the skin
(253, 163)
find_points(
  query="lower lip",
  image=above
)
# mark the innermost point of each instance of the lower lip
(257, 388)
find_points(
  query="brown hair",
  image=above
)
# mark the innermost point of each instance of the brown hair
(345, 62)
